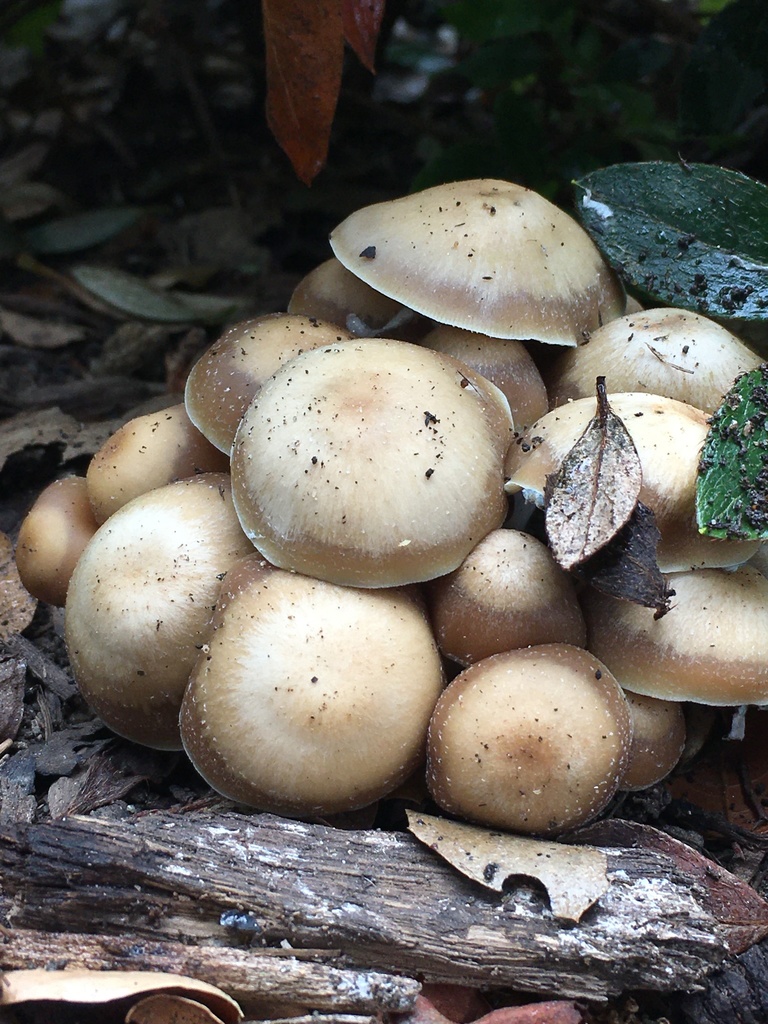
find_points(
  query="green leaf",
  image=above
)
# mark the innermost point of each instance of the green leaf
(131, 295)
(732, 485)
(688, 235)
(80, 230)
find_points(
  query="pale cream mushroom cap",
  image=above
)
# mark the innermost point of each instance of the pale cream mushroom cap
(53, 535)
(533, 740)
(146, 452)
(503, 361)
(140, 602)
(711, 648)
(663, 351)
(371, 463)
(310, 698)
(508, 592)
(668, 436)
(658, 739)
(485, 255)
(226, 377)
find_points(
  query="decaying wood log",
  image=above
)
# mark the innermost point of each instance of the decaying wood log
(265, 981)
(387, 902)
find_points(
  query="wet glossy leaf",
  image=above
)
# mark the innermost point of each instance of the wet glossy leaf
(304, 42)
(689, 235)
(362, 21)
(732, 485)
(574, 877)
(595, 490)
(81, 230)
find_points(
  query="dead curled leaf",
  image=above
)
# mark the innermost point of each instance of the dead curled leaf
(550, 1012)
(595, 491)
(82, 986)
(170, 1009)
(574, 876)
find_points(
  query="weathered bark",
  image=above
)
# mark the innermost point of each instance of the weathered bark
(386, 902)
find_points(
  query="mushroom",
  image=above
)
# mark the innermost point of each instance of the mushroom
(658, 739)
(503, 361)
(711, 648)
(508, 592)
(371, 463)
(146, 452)
(309, 698)
(668, 436)
(533, 740)
(331, 292)
(140, 601)
(485, 255)
(52, 537)
(669, 352)
(227, 376)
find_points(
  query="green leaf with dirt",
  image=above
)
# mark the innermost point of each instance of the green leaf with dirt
(689, 235)
(732, 485)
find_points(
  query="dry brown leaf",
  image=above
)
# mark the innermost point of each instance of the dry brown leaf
(80, 986)
(595, 491)
(575, 877)
(170, 1009)
(362, 21)
(17, 606)
(30, 332)
(51, 427)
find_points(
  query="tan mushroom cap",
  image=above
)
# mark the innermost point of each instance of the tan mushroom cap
(503, 361)
(533, 740)
(372, 463)
(658, 739)
(508, 592)
(146, 452)
(52, 537)
(223, 381)
(310, 698)
(485, 255)
(711, 648)
(668, 436)
(140, 602)
(663, 351)
(331, 292)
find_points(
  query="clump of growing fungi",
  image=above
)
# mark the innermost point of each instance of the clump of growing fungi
(339, 524)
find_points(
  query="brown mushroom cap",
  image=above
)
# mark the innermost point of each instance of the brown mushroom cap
(140, 602)
(371, 463)
(668, 352)
(486, 255)
(508, 592)
(711, 648)
(534, 740)
(52, 537)
(658, 739)
(227, 376)
(331, 292)
(668, 436)
(503, 361)
(310, 698)
(146, 452)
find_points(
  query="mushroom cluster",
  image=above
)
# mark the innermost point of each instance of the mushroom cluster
(280, 574)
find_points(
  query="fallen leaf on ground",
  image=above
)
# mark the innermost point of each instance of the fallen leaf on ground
(81, 986)
(551, 1012)
(170, 1009)
(574, 876)
(30, 332)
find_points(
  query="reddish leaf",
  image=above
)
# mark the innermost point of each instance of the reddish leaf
(553, 1012)
(362, 21)
(304, 42)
